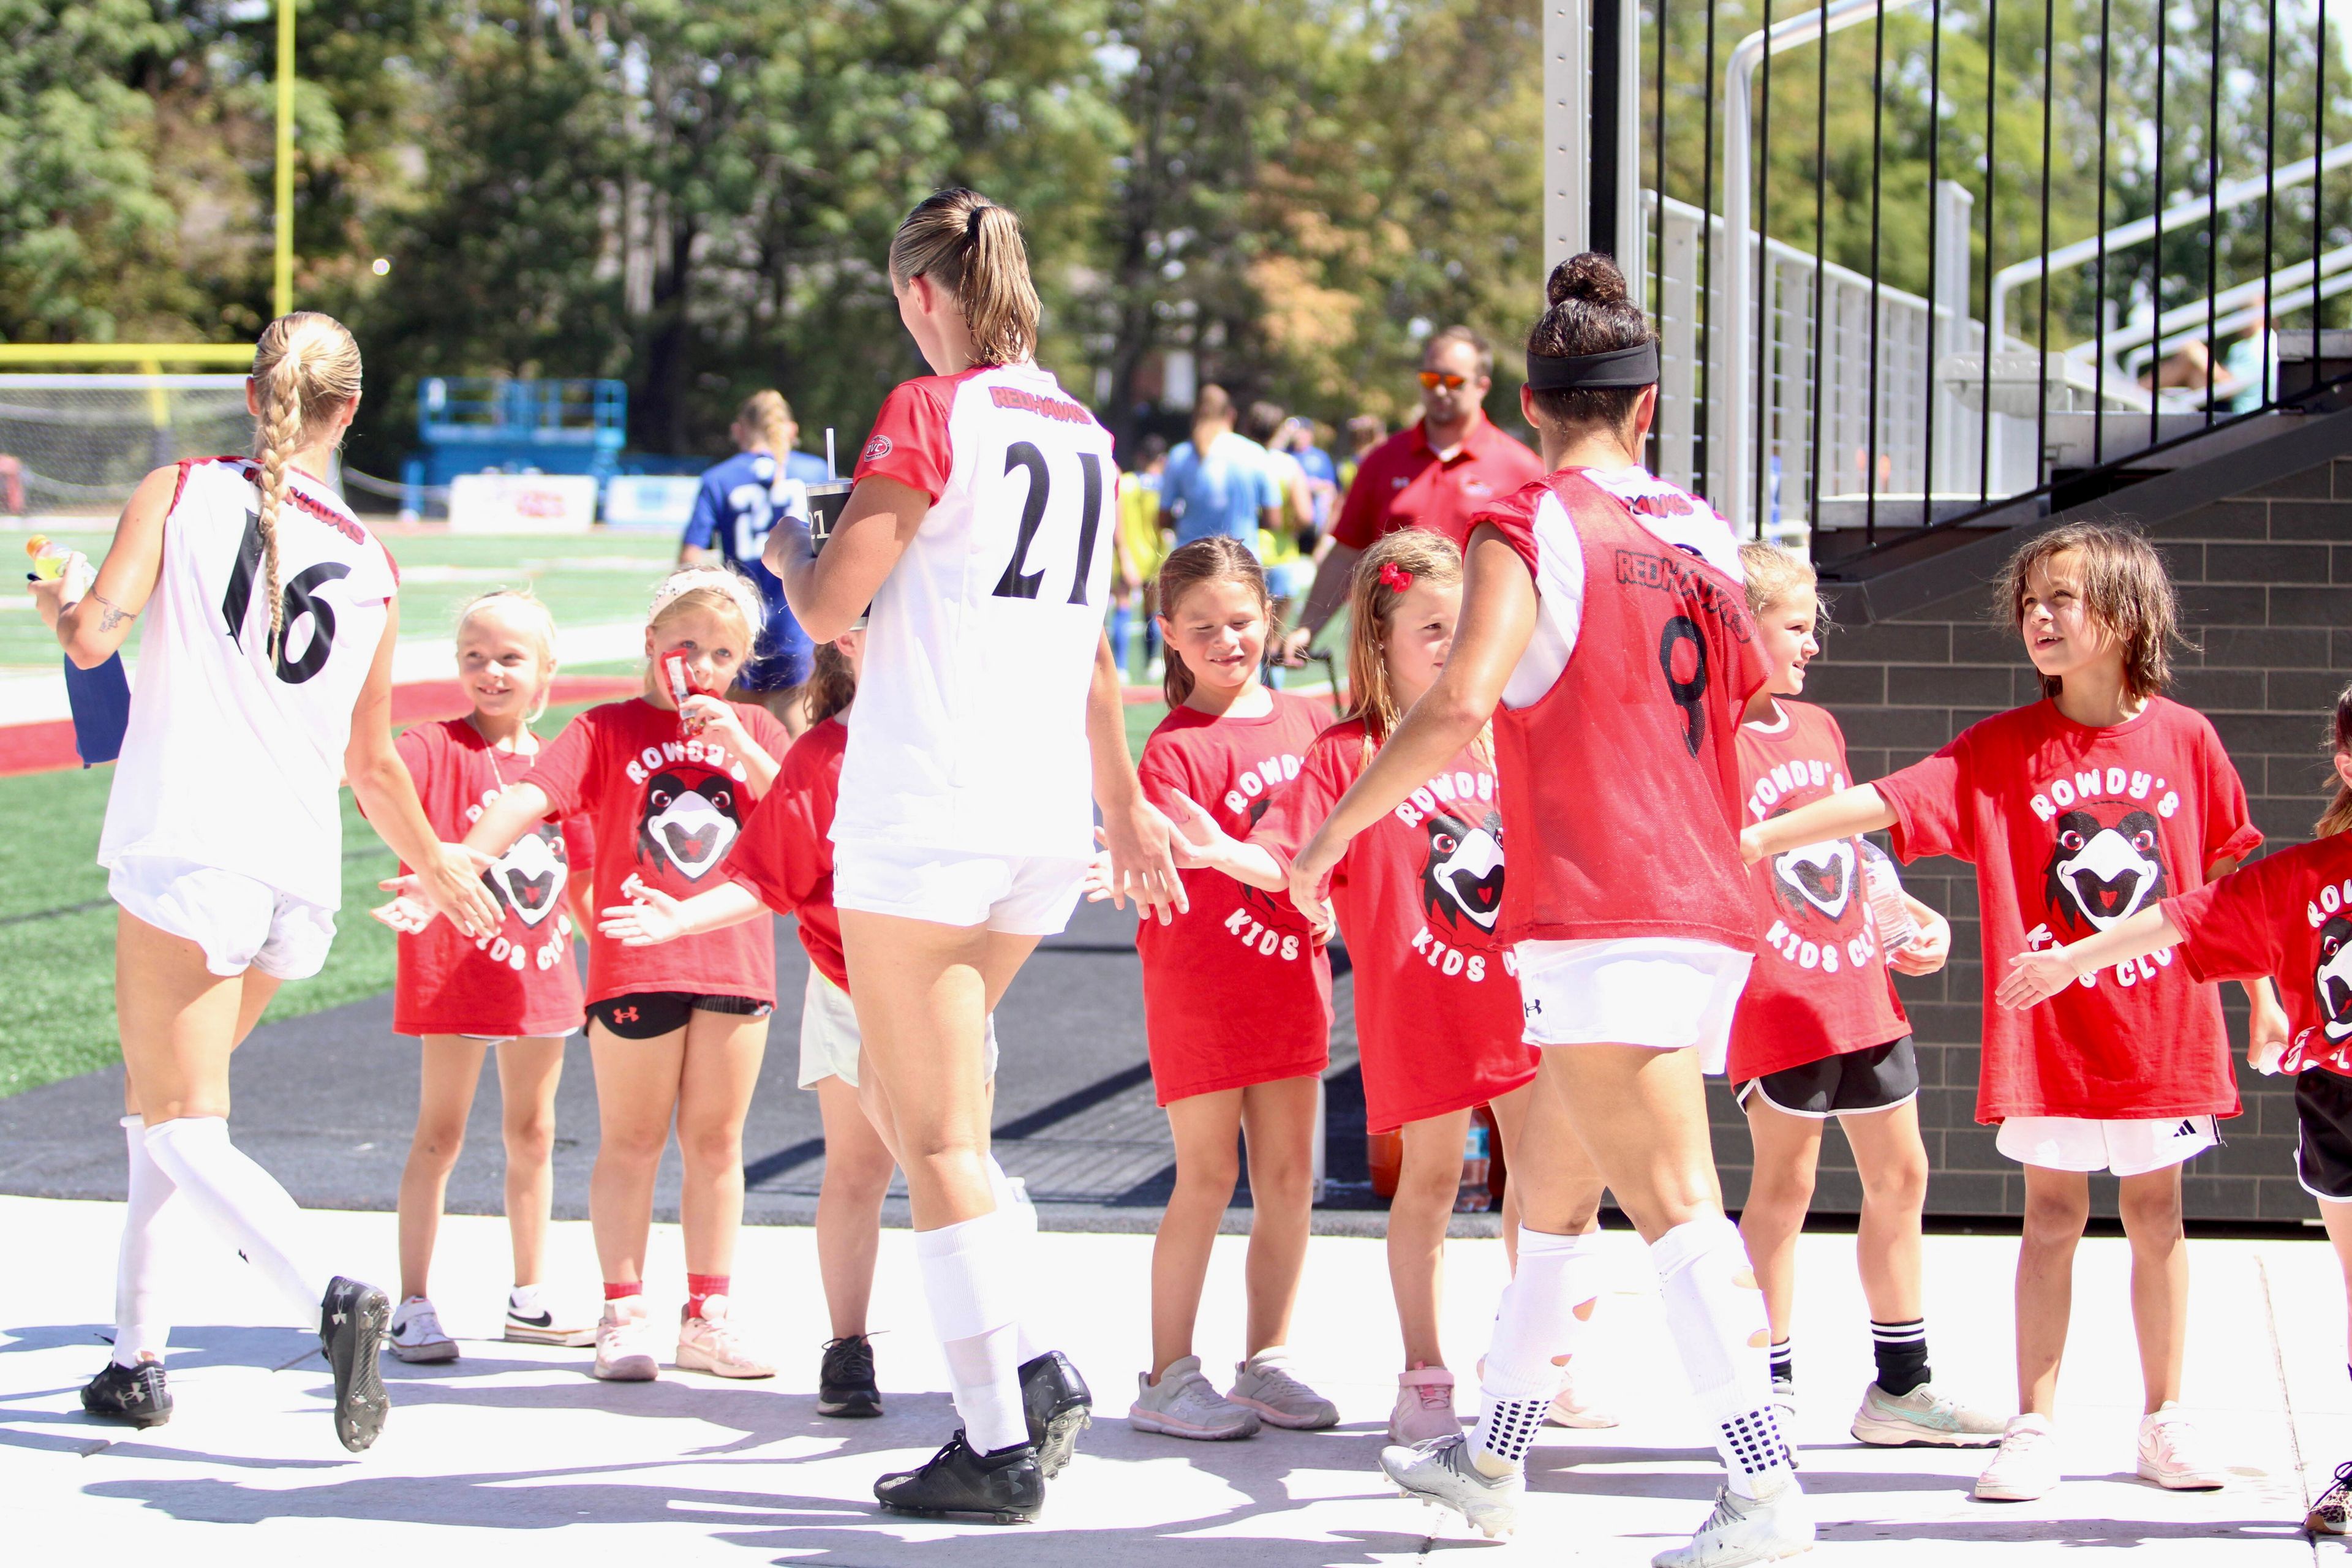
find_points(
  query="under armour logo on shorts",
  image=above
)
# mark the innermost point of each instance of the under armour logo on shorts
(625, 1015)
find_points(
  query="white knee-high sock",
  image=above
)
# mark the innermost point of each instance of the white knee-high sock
(1715, 1314)
(141, 1327)
(1022, 1224)
(1534, 1322)
(967, 1282)
(245, 1201)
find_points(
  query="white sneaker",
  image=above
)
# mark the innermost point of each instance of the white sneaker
(624, 1352)
(1424, 1406)
(1264, 1383)
(1568, 1410)
(1784, 1403)
(417, 1334)
(2171, 1456)
(531, 1322)
(1922, 1418)
(1184, 1404)
(1442, 1475)
(2026, 1467)
(1747, 1530)
(712, 1344)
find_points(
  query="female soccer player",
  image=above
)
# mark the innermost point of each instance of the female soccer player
(1605, 633)
(265, 678)
(737, 503)
(978, 533)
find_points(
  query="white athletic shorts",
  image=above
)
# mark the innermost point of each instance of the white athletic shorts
(830, 1039)
(2132, 1146)
(1668, 993)
(240, 924)
(1018, 895)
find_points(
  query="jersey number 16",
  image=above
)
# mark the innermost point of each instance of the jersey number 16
(296, 601)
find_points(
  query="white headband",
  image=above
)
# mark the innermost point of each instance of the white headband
(734, 585)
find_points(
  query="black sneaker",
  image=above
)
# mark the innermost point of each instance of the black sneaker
(352, 1322)
(845, 1382)
(1059, 1407)
(133, 1393)
(1007, 1487)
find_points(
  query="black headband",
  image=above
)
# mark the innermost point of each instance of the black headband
(1636, 367)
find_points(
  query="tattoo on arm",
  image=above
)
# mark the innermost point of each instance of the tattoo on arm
(114, 614)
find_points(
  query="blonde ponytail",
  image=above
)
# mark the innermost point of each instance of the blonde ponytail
(970, 246)
(305, 368)
(768, 419)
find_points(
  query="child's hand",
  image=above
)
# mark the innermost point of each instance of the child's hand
(1198, 840)
(704, 715)
(2035, 977)
(1924, 953)
(1751, 848)
(2268, 1034)
(653, 919)
(403, 914)
(1099, 875)
(452, 885)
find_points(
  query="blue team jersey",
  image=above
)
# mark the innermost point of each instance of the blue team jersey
(739, 501)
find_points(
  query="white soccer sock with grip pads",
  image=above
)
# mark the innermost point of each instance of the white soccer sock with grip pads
(1536, 1320)
(257, 1215)
(1715, 1313)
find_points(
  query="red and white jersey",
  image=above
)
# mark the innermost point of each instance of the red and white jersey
(2288, 916)
(1820, 987)
(971, 702)
(1616, 742)
(234, 756)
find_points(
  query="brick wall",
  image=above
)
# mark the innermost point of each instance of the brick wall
(2265, 582)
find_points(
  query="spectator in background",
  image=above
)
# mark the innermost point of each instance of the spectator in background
(1365, 431)
(1219, 482)
(1278, 547)
(1138, 548)
(1433, 474)
(1297, 437)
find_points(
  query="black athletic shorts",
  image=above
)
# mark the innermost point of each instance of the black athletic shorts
(1874, 1080)
(2323, 1139)
(649, 1015)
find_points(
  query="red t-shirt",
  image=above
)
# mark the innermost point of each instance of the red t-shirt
(2288, 916)
(2071, 830)
(518, 980)
(1235, 990)
(785, 855)
(667, 809)
(1403, 483)
(1819, 987)
(1417, 893)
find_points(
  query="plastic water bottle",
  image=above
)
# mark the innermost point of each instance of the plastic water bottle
(1472, 1196)
(49, 562)
(1884, 887)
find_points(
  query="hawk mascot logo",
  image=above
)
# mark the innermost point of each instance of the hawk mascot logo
(2101, 873)
(528, 877)
(689, 819)
(1463, 878)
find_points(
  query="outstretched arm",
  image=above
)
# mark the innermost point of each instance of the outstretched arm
(2035, 977)
(1861, 809)
(657, 918)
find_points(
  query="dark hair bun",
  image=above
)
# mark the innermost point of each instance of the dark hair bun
(1591, 278)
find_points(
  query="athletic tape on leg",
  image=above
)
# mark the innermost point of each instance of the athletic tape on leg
(224, 1184)
(969, 1275)
(1536, 1319)
(142, 1327)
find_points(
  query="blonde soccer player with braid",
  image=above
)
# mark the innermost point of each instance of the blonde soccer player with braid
(264, 679)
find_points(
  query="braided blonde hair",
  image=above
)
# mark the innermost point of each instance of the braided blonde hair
(305, 369)
(769, 420)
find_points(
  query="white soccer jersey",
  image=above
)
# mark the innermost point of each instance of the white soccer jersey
(971, 703)
(234, 758)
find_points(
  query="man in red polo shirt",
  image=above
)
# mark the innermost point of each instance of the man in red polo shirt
(1432, 475)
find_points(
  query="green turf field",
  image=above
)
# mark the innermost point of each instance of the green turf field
(584, 578)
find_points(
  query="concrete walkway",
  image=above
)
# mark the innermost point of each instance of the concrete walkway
(514, 1456)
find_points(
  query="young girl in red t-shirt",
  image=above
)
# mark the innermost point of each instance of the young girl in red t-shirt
(682, 1027)
(783, 862)
(1820, 1033)
(514, 988)
(2078, 811)
(1437, 1005)
(1237, 1005)
(2287, 918)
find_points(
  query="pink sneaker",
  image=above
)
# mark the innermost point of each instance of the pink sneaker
(1424, 1406)
(712, 1344)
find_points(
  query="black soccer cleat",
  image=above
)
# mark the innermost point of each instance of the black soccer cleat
(354, 1320)
(845, 1382)
(134, 1394)
(1059, 1407)
(1006, 1488)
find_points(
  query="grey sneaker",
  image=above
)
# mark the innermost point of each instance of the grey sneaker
(1747, 1530)
(1922, 1418)
(1440, 1474)
(1183, 1403)
(1264, 1384)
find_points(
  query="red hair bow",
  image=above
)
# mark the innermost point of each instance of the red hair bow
(1395, 577)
